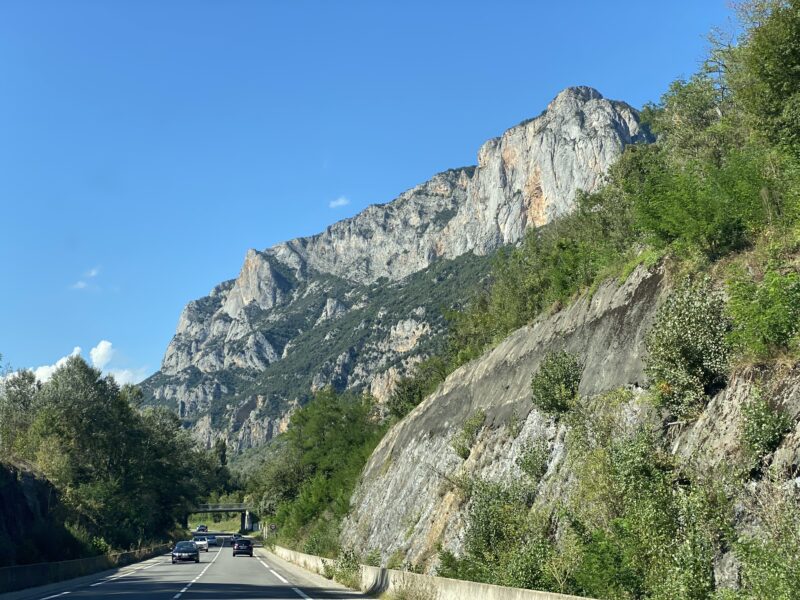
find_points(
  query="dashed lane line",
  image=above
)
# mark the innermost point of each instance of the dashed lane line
(56, 595)
(284, 580)
(188, 585)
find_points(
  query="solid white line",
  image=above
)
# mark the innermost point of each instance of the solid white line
(284, 580)
(301, 594)
(56, 595)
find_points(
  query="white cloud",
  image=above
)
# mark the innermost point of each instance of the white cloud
(101, 354)
(83, 283)
(123, 376)
(45, 372)
(340, 201)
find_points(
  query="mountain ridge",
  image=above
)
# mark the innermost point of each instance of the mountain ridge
(233, 338)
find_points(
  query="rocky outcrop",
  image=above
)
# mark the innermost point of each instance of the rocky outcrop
(524, 178)
(228, 344)
(404, 501)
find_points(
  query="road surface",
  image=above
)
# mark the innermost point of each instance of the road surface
(218, 576)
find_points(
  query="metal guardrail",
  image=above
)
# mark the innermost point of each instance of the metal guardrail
(20, 577)
(230, 507)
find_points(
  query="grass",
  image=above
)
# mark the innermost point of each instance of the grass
(226, 524)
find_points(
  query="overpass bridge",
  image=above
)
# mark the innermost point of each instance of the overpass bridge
(243, 508)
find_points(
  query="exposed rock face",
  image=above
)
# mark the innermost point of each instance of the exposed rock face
(401, 503)
(524, 178)
(405, 500)
(230, 342)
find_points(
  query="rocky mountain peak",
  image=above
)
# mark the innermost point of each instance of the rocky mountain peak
(524, 178)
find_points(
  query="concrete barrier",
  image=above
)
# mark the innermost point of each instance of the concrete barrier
(24, 576)
(376, 580)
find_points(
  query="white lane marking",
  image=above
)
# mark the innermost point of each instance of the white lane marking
(284, 580)
(279, 576)
(124, 573)
(203, 572)
(56, 595)
(301, 594)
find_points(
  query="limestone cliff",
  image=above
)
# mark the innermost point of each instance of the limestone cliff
(327, 294)
(406, 502)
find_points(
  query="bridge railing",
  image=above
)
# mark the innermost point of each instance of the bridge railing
(229, 507)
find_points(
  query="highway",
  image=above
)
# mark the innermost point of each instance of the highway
(218, 576)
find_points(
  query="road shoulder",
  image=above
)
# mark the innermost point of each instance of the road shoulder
(301, 577)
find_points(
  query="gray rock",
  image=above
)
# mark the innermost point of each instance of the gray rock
(523, 179)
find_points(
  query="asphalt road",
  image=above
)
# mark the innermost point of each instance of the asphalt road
(218, 576)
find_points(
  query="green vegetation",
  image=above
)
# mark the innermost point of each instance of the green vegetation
(765, 310)
(554, 386)
(687, 353)
(716, 200)
(411, 390)
(763, 429)
(125, 477)
(638, 524)
(462, 442)
(306, 488)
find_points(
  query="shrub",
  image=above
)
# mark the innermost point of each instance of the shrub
(770, 557)
(766, 313)
(373, 558)
(687, 353)
(462, 442)
(532, 460)
(555, 383)
(347, 570)
(763, 428)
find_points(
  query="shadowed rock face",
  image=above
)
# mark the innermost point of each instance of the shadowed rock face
(523, 179)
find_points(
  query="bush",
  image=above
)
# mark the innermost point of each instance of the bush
(462, 442)
(766, 313)
(532, 460)
(763, 428)
(555, 383)
(347, 570)
(687, 353)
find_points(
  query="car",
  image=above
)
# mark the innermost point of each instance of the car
(202, 528)
(201, 543)
(185, 551)
(236, 536)
(212, 540)
(243, 546)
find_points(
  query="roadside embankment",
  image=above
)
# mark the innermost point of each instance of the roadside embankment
(377, 580)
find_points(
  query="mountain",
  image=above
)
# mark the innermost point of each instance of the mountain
(357, 305)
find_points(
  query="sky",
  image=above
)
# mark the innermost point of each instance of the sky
(145, 145)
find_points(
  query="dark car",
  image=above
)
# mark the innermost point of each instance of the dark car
(185, 551)
(212, 540)
(243, 546)
(202, 528)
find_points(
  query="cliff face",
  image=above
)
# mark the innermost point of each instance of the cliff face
(230, 343)
(406, 501)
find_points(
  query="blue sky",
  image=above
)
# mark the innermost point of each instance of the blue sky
(145, 145)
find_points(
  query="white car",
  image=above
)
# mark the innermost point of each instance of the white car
(201, 543)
